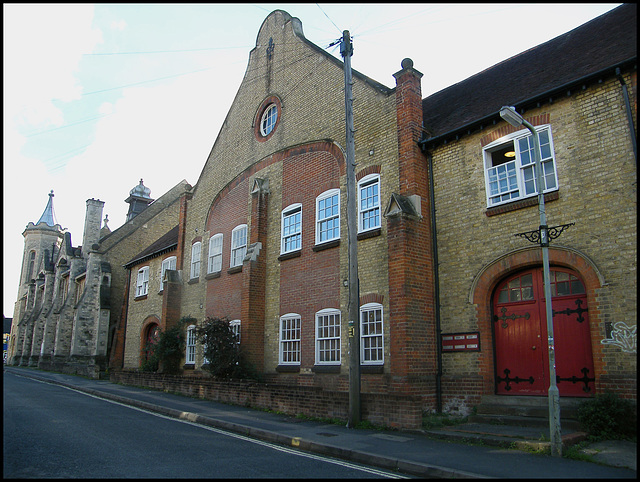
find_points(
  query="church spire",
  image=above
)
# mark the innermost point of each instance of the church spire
(48, 216)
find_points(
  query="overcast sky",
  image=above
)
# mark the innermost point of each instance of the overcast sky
(97, 97)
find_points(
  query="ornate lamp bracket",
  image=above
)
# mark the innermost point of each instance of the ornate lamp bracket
(544, 234)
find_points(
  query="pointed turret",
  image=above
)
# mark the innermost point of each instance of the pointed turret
(48, 216)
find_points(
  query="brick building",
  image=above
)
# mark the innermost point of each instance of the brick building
(261, 238)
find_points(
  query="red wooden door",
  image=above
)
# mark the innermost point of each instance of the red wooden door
(520, 335)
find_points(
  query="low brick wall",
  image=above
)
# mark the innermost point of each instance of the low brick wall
(397, 411)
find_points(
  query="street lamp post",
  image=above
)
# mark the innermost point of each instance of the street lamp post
(512, 117)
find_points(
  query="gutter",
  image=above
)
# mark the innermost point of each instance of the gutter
(627, 105)
(436, 282)
(535, 99)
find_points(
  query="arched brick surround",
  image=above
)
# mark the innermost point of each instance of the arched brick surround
(150, 320)
(486, 281)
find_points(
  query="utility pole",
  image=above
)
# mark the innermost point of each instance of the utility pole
(346, 49)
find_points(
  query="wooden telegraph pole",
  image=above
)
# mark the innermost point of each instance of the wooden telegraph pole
(346, 49)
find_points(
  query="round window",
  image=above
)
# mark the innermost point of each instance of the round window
(269, 118)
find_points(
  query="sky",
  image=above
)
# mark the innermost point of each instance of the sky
(99, 96)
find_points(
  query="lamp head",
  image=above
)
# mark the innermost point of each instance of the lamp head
(510, 115)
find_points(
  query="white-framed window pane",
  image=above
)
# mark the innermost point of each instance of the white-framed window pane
(235, 328)
(290, 332)
(328, 217)
(269, 119)
(142, 284)
(169, 263)
(238, 245)
(215, 254)
(291, 229)
(328, 337)
(510, 166)
(369, 204)
(371, 334)
(191, 345)
(196, 249)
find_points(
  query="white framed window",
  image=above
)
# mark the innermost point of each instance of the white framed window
(196, 249)
(235, 328)
(142, 284)
(169, 263)
(215, 254)
(371, 334)
(269, 118)
(290, 339)
(291, 229)
(369, 203)
(510, 172)
(191, 345)
(328, 216)
(328, 337)
(238, 245)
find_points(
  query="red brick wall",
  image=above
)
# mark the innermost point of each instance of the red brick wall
(224, 294)
(310, 282)
(391, 410)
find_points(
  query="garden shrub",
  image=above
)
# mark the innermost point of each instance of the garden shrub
(607, 416)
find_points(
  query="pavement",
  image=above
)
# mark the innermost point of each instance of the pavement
(462, 451)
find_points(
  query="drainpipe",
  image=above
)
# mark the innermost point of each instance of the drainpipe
(436, 282)
(629, 114)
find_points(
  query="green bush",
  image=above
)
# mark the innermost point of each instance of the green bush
(607, 416)
(221, 349)
(165, 354)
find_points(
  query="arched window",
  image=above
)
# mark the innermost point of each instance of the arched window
(371, 334)
(31, 266)
(169, 263)
(290, 336)
(196, 248)
(215, 254)
(328, 216)
(291, 229)
(238, 245)
(191, 345)
(142, 284)
(369, 203)
(328, 337)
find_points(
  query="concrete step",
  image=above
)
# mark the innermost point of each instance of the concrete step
(524, 411)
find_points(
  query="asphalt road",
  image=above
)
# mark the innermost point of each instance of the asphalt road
(53, 431)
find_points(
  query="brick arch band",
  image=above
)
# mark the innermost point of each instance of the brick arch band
(488, 278)
(317, 146)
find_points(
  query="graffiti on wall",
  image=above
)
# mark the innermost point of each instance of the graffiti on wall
(623, 336)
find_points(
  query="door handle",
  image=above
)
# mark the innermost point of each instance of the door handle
(533, 347)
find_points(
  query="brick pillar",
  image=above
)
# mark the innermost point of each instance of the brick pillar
(182, 222)
(171, 299)
(254, 271)
(411, 290)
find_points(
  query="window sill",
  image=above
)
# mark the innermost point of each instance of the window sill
(523, 203)
(370, 234)
(234, 270)
(193, 281)
(291, 255)
(326, 245)
(213, 275)
(189, 366)
(288, 368)
(140, 298)
(372, 369)
(325, 368)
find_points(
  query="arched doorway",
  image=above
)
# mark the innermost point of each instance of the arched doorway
(520, 335)
(151, 335)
